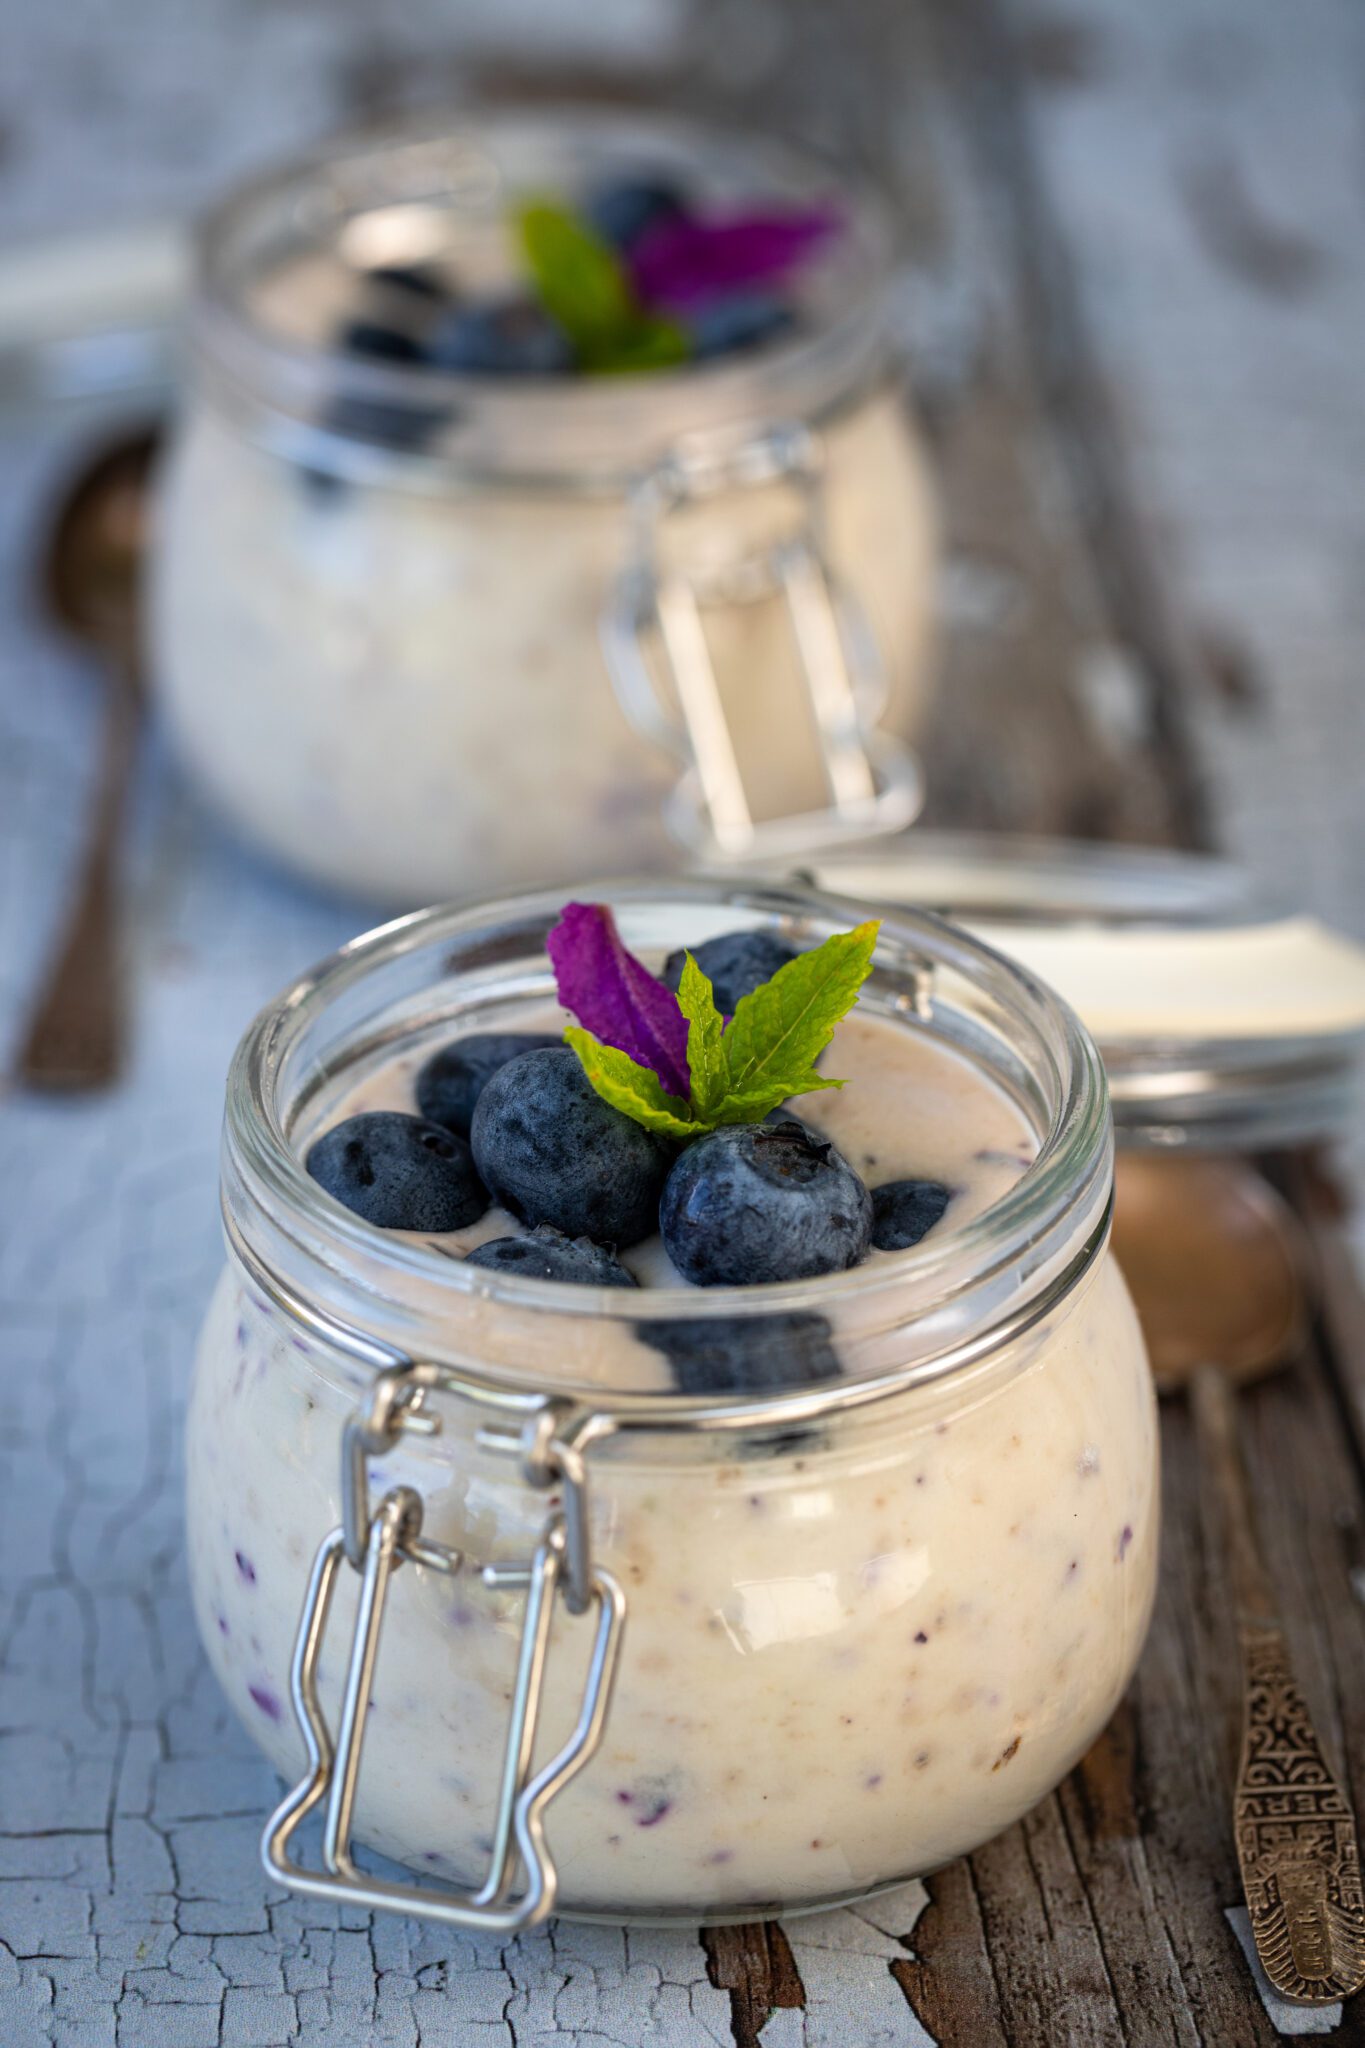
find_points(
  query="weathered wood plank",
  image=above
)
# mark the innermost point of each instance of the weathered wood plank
(950, 1982)
(1102, 1811)
(754, 1963)
(1314, 1187)
(1100, 635)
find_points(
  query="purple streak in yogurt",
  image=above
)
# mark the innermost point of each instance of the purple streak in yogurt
(265, 1699)
(649, 1802)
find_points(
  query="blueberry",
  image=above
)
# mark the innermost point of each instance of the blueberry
(384, 424)
(399, 1172)
(381, 344)
(621, 211)
(903, 1211)
(783, 1115)
(743, 1354)
(379, 423)
(548, 1255)
(750, 1203)
(745, 320)
(418, 280)
(736, 964)
(554, 1152)
(453, 1079)
(513, 339)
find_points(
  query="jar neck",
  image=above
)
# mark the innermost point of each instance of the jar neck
(292, 389)
(924, 1314)
(580, 451)
(963, 1362)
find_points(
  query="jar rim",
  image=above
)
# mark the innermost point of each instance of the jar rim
(533, 429)
(1034, 1223)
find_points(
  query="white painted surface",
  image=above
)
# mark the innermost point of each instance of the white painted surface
(1205, 165)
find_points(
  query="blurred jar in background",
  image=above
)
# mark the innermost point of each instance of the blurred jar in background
(422, 631)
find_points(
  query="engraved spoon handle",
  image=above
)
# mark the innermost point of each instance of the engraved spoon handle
(76, 1036)
(1296, 1838)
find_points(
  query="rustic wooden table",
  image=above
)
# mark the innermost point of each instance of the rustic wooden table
(132, 1907)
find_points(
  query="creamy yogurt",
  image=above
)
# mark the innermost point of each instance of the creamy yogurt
(849, 1656)
(403, 691)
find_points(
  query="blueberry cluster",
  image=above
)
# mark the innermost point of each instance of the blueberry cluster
(416, 313)
(512, 1117)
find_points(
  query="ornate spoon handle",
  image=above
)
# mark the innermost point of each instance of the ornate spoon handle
(1296, 1838)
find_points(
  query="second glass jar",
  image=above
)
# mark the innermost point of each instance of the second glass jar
(425, 635)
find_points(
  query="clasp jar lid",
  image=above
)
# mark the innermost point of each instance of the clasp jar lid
(1225, 1022)
(896, 1322)
(442, 188)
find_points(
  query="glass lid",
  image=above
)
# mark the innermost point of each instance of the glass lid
(1224, 1021)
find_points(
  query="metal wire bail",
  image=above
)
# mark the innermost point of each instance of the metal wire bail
(521, 1885)
(874, 782)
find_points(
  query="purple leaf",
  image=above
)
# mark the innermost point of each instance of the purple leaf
(682, 263)
(615, 997)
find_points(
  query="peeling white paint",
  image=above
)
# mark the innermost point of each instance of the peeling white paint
(1283, 2016)
(833, 1952)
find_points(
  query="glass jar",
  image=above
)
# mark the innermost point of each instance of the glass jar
(425, 635)
(790, 1645)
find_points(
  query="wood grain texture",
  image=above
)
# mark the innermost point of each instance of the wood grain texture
(1105, 665)
(754, 1964)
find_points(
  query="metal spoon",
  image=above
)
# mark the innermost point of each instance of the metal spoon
(91, 576)
(1214, 1259)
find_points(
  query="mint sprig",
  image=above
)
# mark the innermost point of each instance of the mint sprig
(740, 1071)
(585, 288)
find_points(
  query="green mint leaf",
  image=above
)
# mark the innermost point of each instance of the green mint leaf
(631, 1088)
(779, 1031)
(751, 1105)
(578, 277)
(706, 1059)
(648, 343)
(740, 1071)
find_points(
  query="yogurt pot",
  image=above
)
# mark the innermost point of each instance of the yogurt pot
(654, 1649)
(425, 634)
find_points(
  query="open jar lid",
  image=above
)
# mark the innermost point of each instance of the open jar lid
(283, 264)
(1223, 1022)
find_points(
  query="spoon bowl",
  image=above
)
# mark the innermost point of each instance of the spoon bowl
(1214, 1260)
(92, 564)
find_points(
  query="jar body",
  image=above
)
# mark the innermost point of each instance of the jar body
(403, 691)
(846, 1661)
